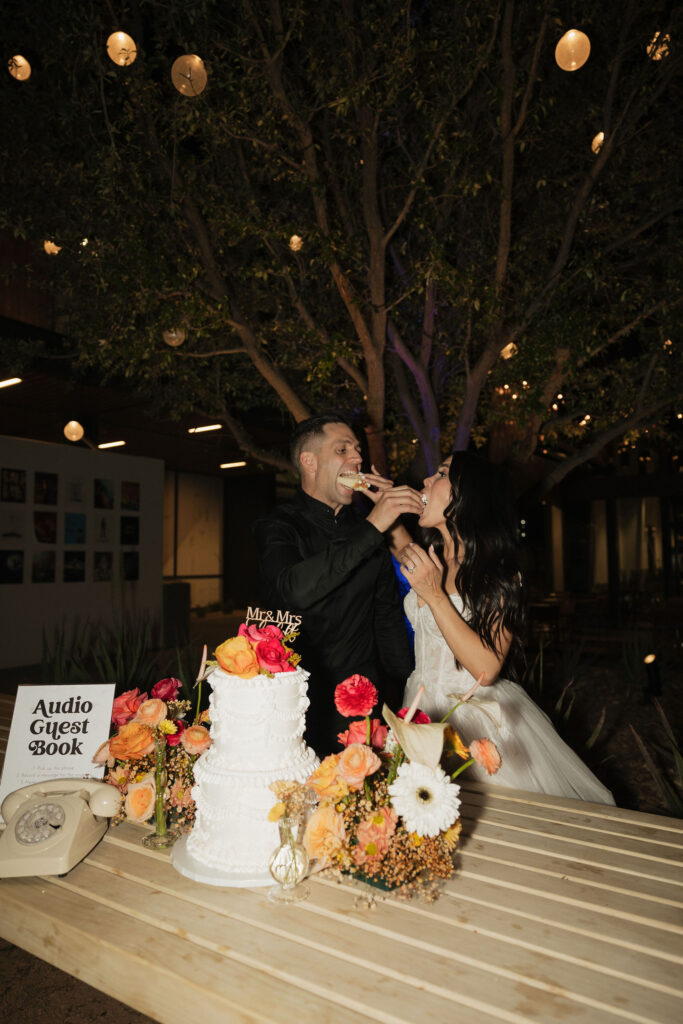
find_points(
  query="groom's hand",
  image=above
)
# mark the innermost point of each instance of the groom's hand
(393, 502)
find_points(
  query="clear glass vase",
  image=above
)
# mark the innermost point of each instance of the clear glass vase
(162, 837)
(289, 864)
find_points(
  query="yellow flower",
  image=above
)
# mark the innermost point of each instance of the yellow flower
(415, 839)
(451, 836)
(168, 727)
(276, 811)
(453, 744)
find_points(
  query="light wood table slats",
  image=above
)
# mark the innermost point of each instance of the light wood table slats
(559, 911)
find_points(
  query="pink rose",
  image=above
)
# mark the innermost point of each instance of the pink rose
(126, 705)
(152, 712)
(358, 730)
(255, 634)
(272, 656)
(419, 718)
(174, 738)
(355, 696)
(167, 689)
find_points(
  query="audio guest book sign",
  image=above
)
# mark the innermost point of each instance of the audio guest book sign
(55, 732)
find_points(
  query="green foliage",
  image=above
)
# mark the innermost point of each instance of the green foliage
(672, 794)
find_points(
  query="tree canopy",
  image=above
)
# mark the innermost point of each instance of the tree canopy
(389, 206)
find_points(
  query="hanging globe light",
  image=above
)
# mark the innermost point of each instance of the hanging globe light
(658, 48)
(296, 243)
(573, 49)
(73, 431)
(50, 248)
(174, 337)
(121, 48)
(19, 67)
(509, 351)
(596, 144)
(188, 74)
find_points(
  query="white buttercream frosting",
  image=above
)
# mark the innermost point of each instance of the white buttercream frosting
(257, 728)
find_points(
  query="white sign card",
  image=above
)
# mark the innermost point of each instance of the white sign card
(55, 732)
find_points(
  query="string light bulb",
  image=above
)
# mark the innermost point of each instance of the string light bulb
(174, 337)
(73, 431)
(121, 49)
(573, 50)
(596, 144)
(296, 243)
(658, 47)
(19, 68)
(50, 248)
(188, 74)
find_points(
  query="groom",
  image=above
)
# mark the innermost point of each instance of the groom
(322, 559)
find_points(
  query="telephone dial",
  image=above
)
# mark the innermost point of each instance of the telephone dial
(52, 825)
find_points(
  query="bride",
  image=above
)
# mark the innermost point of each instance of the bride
(465, 606)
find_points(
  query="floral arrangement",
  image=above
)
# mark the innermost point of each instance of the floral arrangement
(151, 756)
(387, 812)
(258, 651)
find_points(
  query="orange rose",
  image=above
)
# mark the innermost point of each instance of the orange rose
(134, 740)
(196, 739)
(140, 797)
(237, 657)
(325, 781)
(324, 834)
(356, 763)
(152, 712)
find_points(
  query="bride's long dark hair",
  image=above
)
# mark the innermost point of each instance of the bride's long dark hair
(483, 518)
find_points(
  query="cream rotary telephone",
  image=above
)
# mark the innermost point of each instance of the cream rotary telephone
(54, 824)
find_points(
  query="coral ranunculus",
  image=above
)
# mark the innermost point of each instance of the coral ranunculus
(152, 712)
(196, 739)
(237, 657)
(355, 696)
(126, 705)
(167, 689)
(324, 834)
(139, 804)
(356, 763)
(133, 740)
(272, 656)
(358, 730)
(485, 753)
(374, 835)
(325, 781)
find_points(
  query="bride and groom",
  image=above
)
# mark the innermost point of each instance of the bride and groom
(322, 559)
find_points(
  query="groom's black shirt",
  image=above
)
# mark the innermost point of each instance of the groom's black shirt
(335, 571)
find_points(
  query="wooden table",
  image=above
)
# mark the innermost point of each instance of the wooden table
(559, 911)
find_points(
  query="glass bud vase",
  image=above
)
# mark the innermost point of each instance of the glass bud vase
(289, 864)
(162, 837)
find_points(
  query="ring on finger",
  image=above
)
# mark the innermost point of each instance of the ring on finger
(410, 567)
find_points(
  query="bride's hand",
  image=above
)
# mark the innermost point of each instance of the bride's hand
(423, 570)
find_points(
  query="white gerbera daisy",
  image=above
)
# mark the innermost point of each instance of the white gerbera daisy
(425, 798)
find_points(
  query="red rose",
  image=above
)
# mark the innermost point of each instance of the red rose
(419, 718)
(126, 705)
(355, 696)
(173, 738)
(255, 634)
(358, 730)
(167, 689)
(272, 657)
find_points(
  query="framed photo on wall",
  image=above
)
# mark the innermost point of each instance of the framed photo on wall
(45, 488)
(44, 567)
(13, 485)
(103, 493)
(11, 566)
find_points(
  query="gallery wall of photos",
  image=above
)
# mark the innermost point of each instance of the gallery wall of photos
(79, 530)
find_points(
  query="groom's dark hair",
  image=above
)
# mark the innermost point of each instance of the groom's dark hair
(314, 427)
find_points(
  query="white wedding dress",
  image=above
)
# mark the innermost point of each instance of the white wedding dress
(532, 754)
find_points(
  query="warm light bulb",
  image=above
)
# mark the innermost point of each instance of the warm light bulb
(50, 248)
(596, 144)
(658, 48)
(573, 49)
(73, 431)
(188, 74)
(19, 67)
(649, 658)
(121, 48)
(9, 382)
(174, 336)
(202, 430)
(296, 243)
(111, 444)
(232, 465)
(509, 351)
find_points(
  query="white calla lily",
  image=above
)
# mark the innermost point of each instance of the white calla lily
(422, 744)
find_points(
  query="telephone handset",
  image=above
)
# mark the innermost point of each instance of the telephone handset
(52, 825)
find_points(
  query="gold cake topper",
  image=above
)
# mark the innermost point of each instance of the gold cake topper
(283, 620)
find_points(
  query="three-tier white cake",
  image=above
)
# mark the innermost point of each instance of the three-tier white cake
(257, 728)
